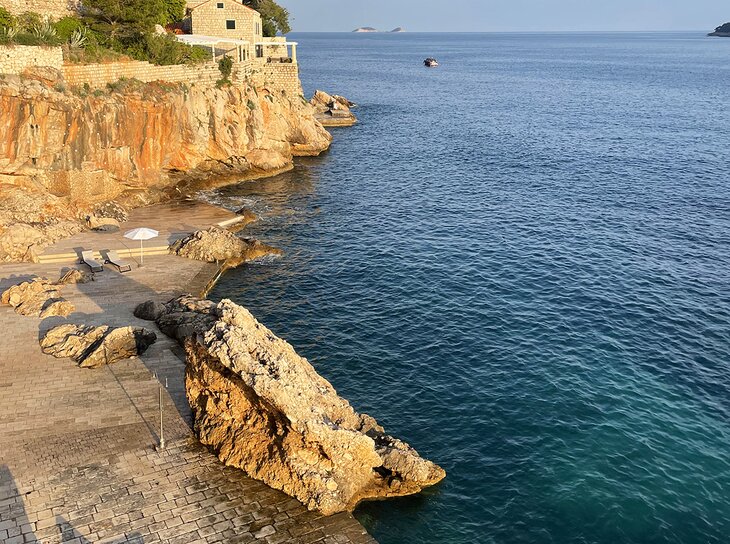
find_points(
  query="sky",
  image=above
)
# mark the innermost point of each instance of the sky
(506, 15)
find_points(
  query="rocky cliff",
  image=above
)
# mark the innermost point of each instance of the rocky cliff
(263, 408)
(63, 152)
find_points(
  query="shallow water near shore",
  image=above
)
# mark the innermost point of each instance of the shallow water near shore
(519, 263)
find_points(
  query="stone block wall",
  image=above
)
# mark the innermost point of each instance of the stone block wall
(276, 76)
(282, 77)
(52, 8)
(98, 75)
(15, 59)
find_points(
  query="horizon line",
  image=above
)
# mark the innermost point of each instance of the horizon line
(493, 31)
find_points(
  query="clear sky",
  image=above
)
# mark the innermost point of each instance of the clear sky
(507, 15)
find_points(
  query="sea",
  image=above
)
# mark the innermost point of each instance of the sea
(519, 263)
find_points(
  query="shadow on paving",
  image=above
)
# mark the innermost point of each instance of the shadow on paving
(16, 524)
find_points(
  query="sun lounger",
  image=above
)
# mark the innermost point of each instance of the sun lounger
(87, 258)
(113, 258)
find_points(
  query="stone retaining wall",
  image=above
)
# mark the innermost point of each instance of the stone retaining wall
(276, 76)
(15, 59)
(52, 8)
(282, 76)
(98, 75)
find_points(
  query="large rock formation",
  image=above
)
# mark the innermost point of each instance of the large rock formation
(93, 347)
(65, 152)
(216, 245)
(38, 297)
(263, 408)
(333, 110)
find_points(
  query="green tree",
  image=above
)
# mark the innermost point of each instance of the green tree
(173, 11)
(119, 18)
(274, 18)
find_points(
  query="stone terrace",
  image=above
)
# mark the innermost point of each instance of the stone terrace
(78, 461)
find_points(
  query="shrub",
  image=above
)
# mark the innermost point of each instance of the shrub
(251, 105)
(29, 21)
(162, 50)
(6, 18)
(66, 27)
(225, 65)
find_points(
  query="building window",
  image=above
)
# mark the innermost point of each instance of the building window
(258, 28)
(230, 24)
(220, 5)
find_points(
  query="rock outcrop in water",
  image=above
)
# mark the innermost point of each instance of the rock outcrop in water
(264, 409)
(216, 245)
(64, 153)
(93, 347)
(333, 110)
(722, 31)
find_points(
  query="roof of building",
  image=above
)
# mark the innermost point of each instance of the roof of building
(194, 4)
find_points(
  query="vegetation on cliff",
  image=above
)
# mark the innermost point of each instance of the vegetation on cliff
(274, 18)
(107, 30)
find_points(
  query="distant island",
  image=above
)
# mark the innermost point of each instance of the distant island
(722, 31)
(371, 29)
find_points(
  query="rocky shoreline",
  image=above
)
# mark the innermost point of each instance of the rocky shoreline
(66, 153)
(282, 422)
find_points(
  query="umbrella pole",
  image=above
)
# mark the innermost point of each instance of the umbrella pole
(141, 253)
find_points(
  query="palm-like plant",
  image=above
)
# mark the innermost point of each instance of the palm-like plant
(79, 37)
(45, 31)
(8, 33)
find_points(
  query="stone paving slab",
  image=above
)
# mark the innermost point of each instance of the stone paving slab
(173, 220)
(77, 446)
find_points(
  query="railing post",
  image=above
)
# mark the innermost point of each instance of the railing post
(162, 430)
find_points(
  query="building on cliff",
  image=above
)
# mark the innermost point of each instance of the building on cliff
(220, 23)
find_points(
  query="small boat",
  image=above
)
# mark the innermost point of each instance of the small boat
(431, 62)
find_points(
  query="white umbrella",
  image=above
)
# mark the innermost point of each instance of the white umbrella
(141, 234)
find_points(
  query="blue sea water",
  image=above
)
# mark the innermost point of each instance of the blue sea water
(519, 263)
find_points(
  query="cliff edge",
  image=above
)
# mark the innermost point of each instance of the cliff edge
(64, 152)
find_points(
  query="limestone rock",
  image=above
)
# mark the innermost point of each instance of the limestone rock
(180, 318)
(37, 297)
(63, 155)
(333, 110)
(219, 245)
(264, 409)
(246, 217)
(149, 311)
(119, 344)
(75, 275)
(57, 307)
(45, 74)
(112, 210)
(72, 341)
(93, 347)
(102, 224)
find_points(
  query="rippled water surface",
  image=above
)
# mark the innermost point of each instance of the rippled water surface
(519, 262)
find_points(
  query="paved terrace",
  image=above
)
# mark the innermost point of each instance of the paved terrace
(77, 447)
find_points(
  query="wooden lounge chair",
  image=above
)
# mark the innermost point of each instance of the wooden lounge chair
(113, 258)
(87, 258)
